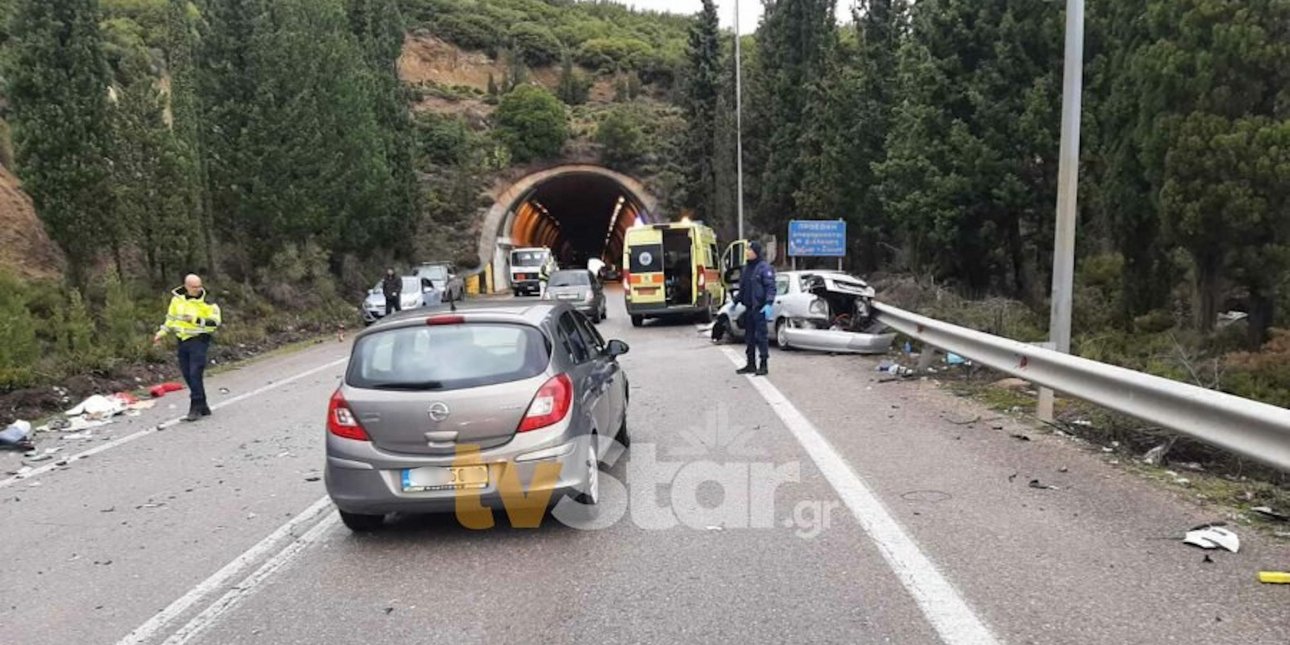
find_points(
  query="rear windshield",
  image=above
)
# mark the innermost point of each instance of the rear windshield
(448, 357)
(570, 279)
(434, 272)
(528, 258)
(646, 258)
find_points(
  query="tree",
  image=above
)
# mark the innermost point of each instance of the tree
(621, 138)
(793, 38)
(532, 123)
(151, 182)
(574, 86)
(226, 89)
(180, 42)
(58, 90)
(969, 176)
(700, 103)
(378, 26)
(535, 44)
(1212, 76)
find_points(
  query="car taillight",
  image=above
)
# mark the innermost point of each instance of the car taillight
(445, 320)
(550, 406)
(703, 279)
(341, 420)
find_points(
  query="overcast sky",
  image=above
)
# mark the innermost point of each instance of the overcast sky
(749, 10)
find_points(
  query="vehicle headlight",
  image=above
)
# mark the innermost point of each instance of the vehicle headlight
(820, 307)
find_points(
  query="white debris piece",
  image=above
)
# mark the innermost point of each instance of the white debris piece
(1213, 537)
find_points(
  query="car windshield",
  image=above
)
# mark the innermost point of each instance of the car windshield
(436, 272)
(570, 279)
(528, 258)
(448, 357)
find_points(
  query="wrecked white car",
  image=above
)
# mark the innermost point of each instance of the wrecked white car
(825, 311)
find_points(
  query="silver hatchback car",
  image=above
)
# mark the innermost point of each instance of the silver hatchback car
(474, 409)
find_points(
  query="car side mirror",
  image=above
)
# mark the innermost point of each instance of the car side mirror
(616, 348)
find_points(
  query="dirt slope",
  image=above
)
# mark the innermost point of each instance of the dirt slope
(25, 248)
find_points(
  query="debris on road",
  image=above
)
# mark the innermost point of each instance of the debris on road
(1266, 512)
(224, 390)
(1213, 536)
(1156, 456)
(1208, 560)
(313, 478)
(160, 390)
(99, 407)
(974, 419)
(1274, 577)
(1035, 483)
(1020, 437)
(1012, 477)
(17, 436)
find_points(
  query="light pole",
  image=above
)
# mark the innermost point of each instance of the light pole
(739, 128)
(1059, 326)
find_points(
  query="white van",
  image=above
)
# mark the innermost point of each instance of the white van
(526, 269)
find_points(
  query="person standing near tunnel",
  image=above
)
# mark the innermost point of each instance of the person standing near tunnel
(757, 295)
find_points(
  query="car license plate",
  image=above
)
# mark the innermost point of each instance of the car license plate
(568, 296)
(433, 478)
(647, 291)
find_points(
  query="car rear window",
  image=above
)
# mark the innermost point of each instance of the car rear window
(448, 357)
(570, 279)
(646, 258)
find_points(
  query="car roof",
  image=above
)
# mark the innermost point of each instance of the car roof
(535, 314)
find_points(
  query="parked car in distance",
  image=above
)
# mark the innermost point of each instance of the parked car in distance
(580, 289)
(445, 279)
(437, 407)
(417, 293)
(827, 311)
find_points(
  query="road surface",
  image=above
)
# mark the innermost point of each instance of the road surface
(813, 506)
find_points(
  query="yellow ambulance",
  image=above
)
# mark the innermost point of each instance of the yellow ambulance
(672, 270)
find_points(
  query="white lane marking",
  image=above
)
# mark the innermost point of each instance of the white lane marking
(120, 441)
(147, 631)
(248, 586)
(939, 601)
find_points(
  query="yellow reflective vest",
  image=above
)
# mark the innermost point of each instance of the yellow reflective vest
(190, 317)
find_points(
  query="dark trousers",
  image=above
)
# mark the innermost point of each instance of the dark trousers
(392, 305)
(192, 363)
(756, 337)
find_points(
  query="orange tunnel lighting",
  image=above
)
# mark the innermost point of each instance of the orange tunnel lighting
(579, 217)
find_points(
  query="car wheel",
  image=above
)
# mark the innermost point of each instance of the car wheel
(360, 523)
(781, 337)
(720, 329)
(706, 316)
(623, 437)
(590, 495)
(638, 321)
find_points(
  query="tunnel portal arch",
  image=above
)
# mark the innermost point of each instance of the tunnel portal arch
(579, 210)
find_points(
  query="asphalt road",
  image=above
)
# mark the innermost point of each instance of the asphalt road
(219, 531)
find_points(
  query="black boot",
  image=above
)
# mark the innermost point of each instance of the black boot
(764, 369)
(194, 412)
(205, 410)
(747, 369)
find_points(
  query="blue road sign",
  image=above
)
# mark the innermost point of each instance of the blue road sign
(817, 238)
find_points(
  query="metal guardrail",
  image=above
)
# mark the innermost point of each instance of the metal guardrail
(1248, 428)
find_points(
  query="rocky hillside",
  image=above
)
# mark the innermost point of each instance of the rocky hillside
(25, 248)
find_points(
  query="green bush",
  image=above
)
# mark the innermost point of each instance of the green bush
(535, 44)
(470, 31)
(18, 345)
(610, 54)
(621, 138)
(532, 123)
(444, 139)
(122, 325)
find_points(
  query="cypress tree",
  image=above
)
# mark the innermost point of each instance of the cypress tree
(58, 90)
(702, 91)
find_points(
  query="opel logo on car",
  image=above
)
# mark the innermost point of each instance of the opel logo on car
(439, 411)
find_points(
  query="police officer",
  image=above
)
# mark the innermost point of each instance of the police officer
(756, 294)
(193, 320)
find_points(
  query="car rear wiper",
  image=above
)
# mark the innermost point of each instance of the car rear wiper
(421, 385)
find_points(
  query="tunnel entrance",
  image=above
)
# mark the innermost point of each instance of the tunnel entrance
(580, 212)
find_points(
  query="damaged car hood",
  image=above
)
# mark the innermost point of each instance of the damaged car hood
(841, 284)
